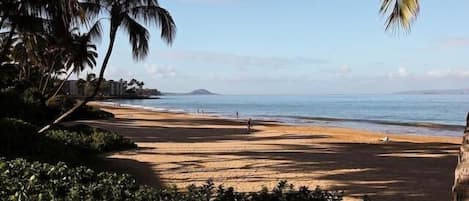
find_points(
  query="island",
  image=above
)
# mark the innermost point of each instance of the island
(194, 92)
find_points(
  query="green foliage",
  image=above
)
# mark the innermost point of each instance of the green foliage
(22, 180)
(87, 137)
(90, 112)
(74, 144)
(27, 104)
(60, 104)
(19, 139)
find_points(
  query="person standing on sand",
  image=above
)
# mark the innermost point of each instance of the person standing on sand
(249, 125)
(237, 115)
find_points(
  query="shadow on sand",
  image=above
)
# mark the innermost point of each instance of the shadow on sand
(394, 171)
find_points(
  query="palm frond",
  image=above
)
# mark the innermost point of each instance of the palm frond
(95, 32)
(400, 13)
(160, 17)
(138, 37)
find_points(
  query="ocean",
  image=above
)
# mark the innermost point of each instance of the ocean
(440, 115)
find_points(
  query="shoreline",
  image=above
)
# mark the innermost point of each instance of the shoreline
(371, 125)
(181, 149)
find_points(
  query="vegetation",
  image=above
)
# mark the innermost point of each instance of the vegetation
(86, 137)
(400, 13)
(44, 42)
(22, 180)
(72, 144)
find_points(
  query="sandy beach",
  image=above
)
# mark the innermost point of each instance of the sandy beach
(181, 149)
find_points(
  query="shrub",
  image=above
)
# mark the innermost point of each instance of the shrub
(27, 105)
(19, 139)
(22, 180)
(90, 112)
(87, 137)
(61, 103)
(74, 144)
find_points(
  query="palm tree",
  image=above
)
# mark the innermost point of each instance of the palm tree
(80, 54)
(140, 85)
(400, 13)
(129, 16)
(81, 84)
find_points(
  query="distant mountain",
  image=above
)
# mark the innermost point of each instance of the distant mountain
(195, 92)
(201, 92)
(436, 91)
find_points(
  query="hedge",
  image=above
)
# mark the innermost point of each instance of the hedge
(23, 180)
(72, 144)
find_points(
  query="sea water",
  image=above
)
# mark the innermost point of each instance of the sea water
(443, 115)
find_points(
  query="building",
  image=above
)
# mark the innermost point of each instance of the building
(71, 88)
(111, 88)
(115, 88)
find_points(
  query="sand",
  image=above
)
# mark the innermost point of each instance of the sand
(181, 149)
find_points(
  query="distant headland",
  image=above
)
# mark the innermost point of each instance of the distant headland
(436, 91)
(194, 92)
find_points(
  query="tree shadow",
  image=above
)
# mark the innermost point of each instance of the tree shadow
(393, 171)
(142, 171)
(199, 121)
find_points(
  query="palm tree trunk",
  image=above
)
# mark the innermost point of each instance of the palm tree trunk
(61, 84)
(6, 46)
(49, 76)
(2, 21)
(83, 102)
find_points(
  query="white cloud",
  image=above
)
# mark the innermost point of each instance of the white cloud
(116, 72)
(448, 73)
(432, 74)
(401, 73)
(208, 1)
(344, 70)
(238, 61)
(160, 71)
(454, 42)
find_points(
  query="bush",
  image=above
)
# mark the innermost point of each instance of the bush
(19, 139)
(87, 137)
(90, 112)
(22, 180)
(74, 144)
(28, 105)
(61, 103)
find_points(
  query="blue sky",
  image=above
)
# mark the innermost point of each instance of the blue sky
(301, 47)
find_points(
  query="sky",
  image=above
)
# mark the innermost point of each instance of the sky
(300, 47)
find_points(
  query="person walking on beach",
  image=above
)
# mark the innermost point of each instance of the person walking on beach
(237, 115)
(249, 125)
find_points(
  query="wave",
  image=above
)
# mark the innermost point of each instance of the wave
(386, 126)
(376, 121)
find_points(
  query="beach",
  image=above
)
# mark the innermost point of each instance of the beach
(181, 149)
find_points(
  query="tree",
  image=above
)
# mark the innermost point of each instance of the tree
(81, 53)
(400, 13)
(129, 16)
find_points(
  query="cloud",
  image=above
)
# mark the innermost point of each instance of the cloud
(116, 72)
(160, 71)
(239, 61)
(208, 1)
(344, 70)
(401, 73)
(454, 42)
(448, 73)
(431, 74)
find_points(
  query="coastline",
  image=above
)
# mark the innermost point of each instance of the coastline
(387, 127)
(180, 149)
